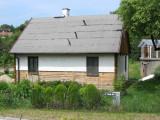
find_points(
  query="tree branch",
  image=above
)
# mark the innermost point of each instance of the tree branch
(154, 44)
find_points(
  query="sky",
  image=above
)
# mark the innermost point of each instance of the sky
(16, 12)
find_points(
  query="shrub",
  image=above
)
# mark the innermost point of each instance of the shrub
(23, 89)
(6, 95)
(37, 97)
(90, 96)
(49, 83)
(60, 95)
(142, 97)
(157, 73)
(73, 96)
(68, 83)
(49, 96)
(4, 86)
(119, 85)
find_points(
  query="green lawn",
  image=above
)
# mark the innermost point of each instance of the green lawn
(37, 114)
(134, 70)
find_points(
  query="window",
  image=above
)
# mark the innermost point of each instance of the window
(146, 54)
(33, 64)
(92, 66)
(153, 53)
(125, 63)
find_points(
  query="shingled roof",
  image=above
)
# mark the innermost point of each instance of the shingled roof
(73, 34)
(148, 42)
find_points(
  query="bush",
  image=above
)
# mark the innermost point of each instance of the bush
(106, 101)
(4, 86)
(68, 83)
(119, 85)
(157, 73)
(73, 96)
(49, 96)
(142, 97)
(90, 96)
(38, 95)
(23, 89)
(60, 95)
(6, 95)
(49, 83)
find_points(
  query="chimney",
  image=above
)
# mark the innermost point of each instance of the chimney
(65, 12)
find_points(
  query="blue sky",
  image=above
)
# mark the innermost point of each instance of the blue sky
(17, 11)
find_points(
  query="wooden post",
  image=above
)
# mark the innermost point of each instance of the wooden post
(18, 69)
(15, 72)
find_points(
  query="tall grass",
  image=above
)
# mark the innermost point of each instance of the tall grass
(134, 70)
(143, 97)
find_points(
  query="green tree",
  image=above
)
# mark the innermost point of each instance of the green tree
(7, 27)
(141, 19)
(6, 59)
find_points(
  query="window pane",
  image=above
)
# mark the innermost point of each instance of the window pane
(33, 64)
(92, 66)
(153, 53)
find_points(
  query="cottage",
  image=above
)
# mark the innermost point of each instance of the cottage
(5, 32)
(87, 49)
(150, 59)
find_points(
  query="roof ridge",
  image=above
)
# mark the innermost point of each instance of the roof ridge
(74, 16)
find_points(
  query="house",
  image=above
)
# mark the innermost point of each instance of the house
(5, 32)
(150, 59)
(87, 49)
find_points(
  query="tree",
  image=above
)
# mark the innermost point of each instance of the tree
(6, 59)
(141, 18)
(7, 27)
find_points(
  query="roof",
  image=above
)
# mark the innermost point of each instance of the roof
(73, 34)
(148, 42)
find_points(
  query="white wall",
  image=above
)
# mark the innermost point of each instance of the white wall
(62, 63)
(68, 63)
(23, 61)
(122, 65)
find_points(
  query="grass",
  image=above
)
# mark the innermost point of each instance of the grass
(142, 97)
(134, 70)
(42, 114)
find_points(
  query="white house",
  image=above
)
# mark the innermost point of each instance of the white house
(87, 49)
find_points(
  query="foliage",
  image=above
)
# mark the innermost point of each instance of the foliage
(106, 101)
(157, 73)
(141, 16)
(4, 86)
(37, 98)
(49, 96)
(6, 59)
(90, 96)
(73, 96)
(23, 89)
(5, 94)
(119, 85)
(142, 97)
(7, 27)
(141, 19)
(134, 70)
(49, 83)
(60, 95)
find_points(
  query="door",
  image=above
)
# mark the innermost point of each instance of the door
(144, 70)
